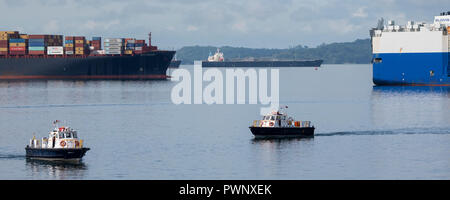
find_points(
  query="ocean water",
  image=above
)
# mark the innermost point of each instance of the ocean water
(136, 132)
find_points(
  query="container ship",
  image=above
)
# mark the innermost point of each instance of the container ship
(217, 60)
(46, 57)
(413, 54)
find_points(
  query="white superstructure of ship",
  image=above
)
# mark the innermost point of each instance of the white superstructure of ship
(217, 57)
(416, 53)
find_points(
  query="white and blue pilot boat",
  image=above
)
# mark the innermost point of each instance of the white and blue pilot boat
(278, 124)
(62, 144)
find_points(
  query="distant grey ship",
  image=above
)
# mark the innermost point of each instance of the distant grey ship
(217, 60)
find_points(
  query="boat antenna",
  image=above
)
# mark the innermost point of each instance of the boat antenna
(55, 123)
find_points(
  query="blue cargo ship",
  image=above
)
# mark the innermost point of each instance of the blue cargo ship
(413, 54)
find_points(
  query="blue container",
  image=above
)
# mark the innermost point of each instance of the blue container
(36, 40)
(130, 45)
(36, 44)
(36, 48)
(139, 45)
(69, 42)
(17, 40)
(96, 38)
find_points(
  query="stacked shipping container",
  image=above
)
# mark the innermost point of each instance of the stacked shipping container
(69, 46)
(96, 43)
(4, 40)
(17, 46)
(114, 46)
(81, 47)
(129, 45)
(13, 43)
(38, 44)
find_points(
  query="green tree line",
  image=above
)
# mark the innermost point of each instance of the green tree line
(358, 52)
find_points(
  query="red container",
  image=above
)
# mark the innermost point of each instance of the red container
(36, 36)
(36, 52)
(69, 38)
(3, 53)
(140, 41)
(79, 45)
(3, 42)
(79, 38)
(16, 48)
(17, 52)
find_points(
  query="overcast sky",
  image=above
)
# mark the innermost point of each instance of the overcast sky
(249, 23)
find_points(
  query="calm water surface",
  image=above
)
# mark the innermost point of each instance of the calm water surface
(136, 132)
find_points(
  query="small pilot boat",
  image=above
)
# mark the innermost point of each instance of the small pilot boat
(278, 124)
(62, 144)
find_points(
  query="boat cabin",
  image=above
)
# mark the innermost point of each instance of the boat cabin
(62, 137)
(278, 119)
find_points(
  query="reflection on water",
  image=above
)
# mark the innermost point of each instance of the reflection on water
(56, 169)
(410, 106)
(445, 90)
(281, 141)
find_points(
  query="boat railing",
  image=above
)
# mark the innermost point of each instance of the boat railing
(300, 124)
(256, 123)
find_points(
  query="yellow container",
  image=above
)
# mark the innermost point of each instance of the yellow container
(79, 52)
(79, 48)
(128, 51)
(3, 38)
(3, 49)
(10, 32)
(79, 41)
(16, 44)
(69, 45)
(24, 36)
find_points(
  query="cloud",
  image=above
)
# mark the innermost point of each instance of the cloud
(192, 28)
(361, 12)
(252, 23)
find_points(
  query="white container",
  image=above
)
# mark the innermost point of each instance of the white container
(138, 48)
(113, 52)
(114, 40)
(69, 52)
(55, 50)
(113, 48)
(113, 44)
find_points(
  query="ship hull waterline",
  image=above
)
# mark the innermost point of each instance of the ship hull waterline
(56, 154)
(312, 63)
(148, 66)
(282, 132)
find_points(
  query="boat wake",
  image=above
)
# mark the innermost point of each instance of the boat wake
(408, 131)
(12, 156)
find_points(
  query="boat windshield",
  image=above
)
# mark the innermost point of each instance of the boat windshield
(74, 134)
(68, 135)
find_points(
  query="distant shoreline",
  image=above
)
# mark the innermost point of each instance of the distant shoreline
(356, 52)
